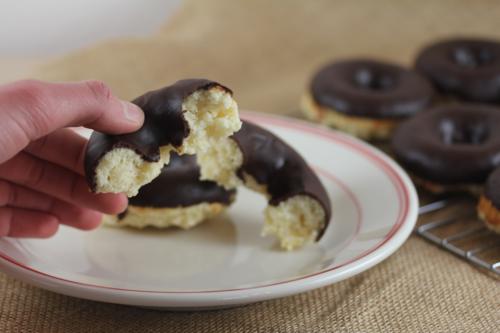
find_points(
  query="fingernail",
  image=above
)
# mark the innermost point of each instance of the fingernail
(132, 112)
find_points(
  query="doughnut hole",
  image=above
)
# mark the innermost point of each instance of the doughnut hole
(472, 57)
(472, 133)
(123, 170)
(366, 78)
(295, 222)
(211, 114)
(180, 217)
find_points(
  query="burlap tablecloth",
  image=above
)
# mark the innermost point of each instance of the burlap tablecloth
(266, 51)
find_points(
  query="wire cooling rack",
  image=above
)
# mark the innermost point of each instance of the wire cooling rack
(451, 222)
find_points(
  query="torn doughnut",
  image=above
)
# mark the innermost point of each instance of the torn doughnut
(298, 208)
(186, 118)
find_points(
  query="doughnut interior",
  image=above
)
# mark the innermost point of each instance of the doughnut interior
(211, 114)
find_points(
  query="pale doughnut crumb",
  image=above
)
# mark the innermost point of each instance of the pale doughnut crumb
(181, 217)
(295, 222)
(123, 170)
(212, 115)
(252, 184)
(220, 162)
(361, 127)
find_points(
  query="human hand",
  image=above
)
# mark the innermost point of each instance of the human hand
(42, 180)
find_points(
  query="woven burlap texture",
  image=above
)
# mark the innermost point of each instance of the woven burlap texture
(266, 51)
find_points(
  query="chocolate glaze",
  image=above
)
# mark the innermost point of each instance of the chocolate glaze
(451, 144)
(271, 161)
(164, 124)
(466, 68)
(492, 188)
(372, 89)
(179, 184)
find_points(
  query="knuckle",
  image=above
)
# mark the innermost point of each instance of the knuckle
(9, 194)
(13, 195)
(40, 144)
(31, 92)
(5, 193)
(35, 173)
(78, 163)
(74, 187)
(99, 90)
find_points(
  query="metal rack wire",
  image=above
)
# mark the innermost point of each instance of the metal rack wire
(452, 223)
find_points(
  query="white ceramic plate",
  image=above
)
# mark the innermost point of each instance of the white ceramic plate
(225, 262)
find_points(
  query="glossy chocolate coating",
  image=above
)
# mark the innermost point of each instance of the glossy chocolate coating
(272, 162)
(179, 184)
(164, 124)
(456, 144)
(372, 89)
(492, 188)
(466, 68)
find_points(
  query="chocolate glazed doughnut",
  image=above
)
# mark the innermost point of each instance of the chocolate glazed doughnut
(298, 208)
(366, 98)
(452, 147)
(468, 69)
(489, 202)
(177, 197)
(184, 117)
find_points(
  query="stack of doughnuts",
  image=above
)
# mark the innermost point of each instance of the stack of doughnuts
(466, 71)
(168, 188)
(442, 117)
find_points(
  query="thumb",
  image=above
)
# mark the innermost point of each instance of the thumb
(42, 107)
(32, 109)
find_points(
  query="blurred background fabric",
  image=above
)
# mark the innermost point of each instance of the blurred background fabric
(266, 51)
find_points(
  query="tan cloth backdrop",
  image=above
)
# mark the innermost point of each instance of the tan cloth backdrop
(266, 51)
